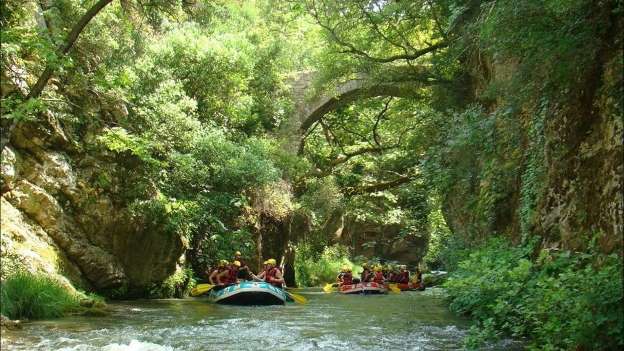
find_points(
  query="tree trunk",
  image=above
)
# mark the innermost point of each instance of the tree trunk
(258, 250)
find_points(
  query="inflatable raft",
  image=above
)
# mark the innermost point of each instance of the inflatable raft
(363, 288)
(250, 293)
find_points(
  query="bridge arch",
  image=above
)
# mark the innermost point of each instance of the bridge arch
(310, 110)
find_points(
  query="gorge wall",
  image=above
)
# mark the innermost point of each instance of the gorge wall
(564, 180)
(63, 211)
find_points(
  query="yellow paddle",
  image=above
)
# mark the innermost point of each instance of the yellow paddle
(297, 298)
(328, 288)
(394, 288)
(201, 289)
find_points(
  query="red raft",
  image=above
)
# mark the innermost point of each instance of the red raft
(363, 288)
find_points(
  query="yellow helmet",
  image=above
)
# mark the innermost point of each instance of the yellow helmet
(236, 263)
(271, 261)
(237, 253)
(223, 262)
(377, 268)
(344, 268)
(365, 265)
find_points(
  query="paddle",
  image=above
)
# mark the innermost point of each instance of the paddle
(329, 287)
(201, 289)
(297, 298)
(394, 288)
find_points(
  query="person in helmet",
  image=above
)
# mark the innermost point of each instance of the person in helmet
(243, 271)
(385, 270)
(271, 274)
(378, 275)
(346, 276)
(402, 277)
(390, 273)
(366, 275)
(343, 270)
(230, 275)
(221, 267)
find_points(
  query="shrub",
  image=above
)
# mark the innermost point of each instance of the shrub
(179, 284)
(315, 270)
(560, 301)
(35, 296)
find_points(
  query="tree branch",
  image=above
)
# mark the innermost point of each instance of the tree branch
(379, 186)
(378, 119)
(66, 46)
(62, 50)
(351, 49)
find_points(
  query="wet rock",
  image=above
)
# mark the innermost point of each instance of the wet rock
(5, 322)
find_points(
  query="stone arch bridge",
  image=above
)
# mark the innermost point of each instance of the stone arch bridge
(310, 109)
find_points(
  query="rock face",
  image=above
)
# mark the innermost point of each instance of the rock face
(58, 217)
(581, 185)
(585, 158)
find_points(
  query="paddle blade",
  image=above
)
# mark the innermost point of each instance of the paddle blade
(394, 288)
(298, 298)
(201, 289)
(328, 288)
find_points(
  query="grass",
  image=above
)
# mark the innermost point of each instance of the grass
(26, 295)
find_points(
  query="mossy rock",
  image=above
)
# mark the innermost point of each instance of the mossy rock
(95, 312)
(434, 278)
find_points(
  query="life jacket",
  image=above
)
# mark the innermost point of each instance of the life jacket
(223, 280)
(269, 277)
(390, 277)
(366, 276)
(402, 277)
(378, 277)
(233, 274)
(347, 278)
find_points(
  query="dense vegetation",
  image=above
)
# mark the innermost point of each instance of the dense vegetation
(190, 102)
(561, 300)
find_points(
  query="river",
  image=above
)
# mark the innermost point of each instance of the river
(406, 321)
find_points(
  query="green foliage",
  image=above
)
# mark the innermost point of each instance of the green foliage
(35, 296)
(119, 140)
(555, 41)
(179, 284)
(561, 301)
(314, 269)
(440, 237)
(534, 172)
(171, 216)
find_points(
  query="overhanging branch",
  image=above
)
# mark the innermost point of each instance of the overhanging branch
(379, 186)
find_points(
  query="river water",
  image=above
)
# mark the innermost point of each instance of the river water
(406, 321)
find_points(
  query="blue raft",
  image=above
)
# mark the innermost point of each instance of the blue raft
(250, 293)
